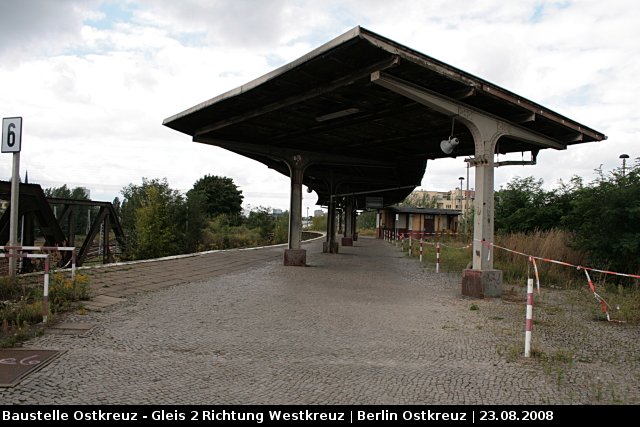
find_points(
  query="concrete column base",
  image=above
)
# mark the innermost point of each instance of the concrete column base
(482, 283)
(347, 241)
(327, 249)
(295, 257)
(355, 237)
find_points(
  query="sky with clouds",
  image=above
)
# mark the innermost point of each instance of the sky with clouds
(94, 79)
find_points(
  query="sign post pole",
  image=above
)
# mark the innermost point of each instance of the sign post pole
(11, 143)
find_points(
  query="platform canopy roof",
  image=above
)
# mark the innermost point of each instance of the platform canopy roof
(358, 136)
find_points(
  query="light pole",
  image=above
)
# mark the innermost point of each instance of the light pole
(461, 217)
(624, 158)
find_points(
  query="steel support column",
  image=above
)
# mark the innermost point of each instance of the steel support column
(331, 246)
(347, 240)
(294, 255)
(355, 225)
(486, 129)
(482, 280)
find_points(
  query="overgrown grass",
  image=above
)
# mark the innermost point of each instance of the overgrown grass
(219, 234)
(622, 295)
(21, 304)
(553, 245)
(367, 232)
(455, 252)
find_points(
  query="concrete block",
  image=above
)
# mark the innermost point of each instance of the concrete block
(295, 257)
(482, 283)
(347, 241)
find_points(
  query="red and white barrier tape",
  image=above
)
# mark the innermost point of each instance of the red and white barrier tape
(457, 247)
(566, 264)
(535, 272)
(603, 304)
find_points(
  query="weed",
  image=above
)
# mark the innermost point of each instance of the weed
(510, 352)
(21, 306)
(563, 356)
(474, 307)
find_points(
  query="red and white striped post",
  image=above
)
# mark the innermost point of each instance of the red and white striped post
(529, 321)
(438, 257)
(73, 265)
(421, 249)
(45, 295)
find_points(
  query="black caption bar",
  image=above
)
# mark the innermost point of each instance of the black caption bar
(320, 414)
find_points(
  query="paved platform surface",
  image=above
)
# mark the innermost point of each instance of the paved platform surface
(366, 326)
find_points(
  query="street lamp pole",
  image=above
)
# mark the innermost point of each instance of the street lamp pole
(624, 158)
(461, 179)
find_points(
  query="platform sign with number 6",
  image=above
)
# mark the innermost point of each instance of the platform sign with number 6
(11, 134)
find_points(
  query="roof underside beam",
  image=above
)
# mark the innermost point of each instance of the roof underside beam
(452, 108)
(282, 154)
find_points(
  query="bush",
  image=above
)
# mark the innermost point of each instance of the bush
(21, 306)
(63, 292)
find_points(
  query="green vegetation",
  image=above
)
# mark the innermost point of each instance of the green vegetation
(82, 214)
(319, 223)
(259, 229)
(221, 196)
(455, 252)
(21, 304)
(159, 221)
(151, 215)
(366, 223)
(601, 219)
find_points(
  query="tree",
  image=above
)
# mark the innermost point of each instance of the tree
(221, 195)
(81, 213)
(156, 234)
(281, 229)
(605, 219)
(116, 205)
(58, 192)
(262, 220)
(150, 217)
(524, 206)
(319, 223)
(367, 220)
(195, 221)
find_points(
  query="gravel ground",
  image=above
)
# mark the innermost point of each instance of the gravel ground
(366, 326)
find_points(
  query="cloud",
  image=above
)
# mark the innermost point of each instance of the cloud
(36, 27)
(94, 79)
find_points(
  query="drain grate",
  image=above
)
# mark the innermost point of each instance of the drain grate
(17, 363)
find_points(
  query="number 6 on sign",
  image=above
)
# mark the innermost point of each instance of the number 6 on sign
(11, 134)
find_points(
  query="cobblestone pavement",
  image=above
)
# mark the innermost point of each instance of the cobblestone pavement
(366, 326)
